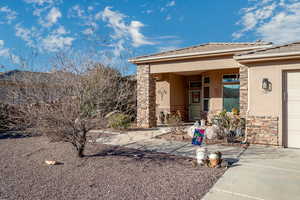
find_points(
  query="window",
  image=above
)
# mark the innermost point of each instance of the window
(206, 92)
(231, 92)
(231, 78)
(206, 79)
(195, 97)
(206, 99)
(195, 84)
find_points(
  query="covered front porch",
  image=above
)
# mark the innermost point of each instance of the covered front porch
(204, 78)
(193, 87)
(196, 94)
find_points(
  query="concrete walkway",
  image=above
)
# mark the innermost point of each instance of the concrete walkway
(145, 140)
(263, 173)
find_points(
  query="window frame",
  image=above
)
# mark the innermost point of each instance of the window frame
(237, 82)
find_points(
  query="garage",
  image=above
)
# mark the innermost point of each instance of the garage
(293, 109)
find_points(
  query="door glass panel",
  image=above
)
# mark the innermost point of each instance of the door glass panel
(231, 97)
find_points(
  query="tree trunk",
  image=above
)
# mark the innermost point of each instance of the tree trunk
(81, 144)
(80, 151)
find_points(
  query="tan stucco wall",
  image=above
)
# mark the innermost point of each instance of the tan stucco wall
(178, 89)
(178, 94)
(221, 62)
(163, 94)
(170, 93)
(263, 103)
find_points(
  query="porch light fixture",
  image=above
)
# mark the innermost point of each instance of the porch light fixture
(266, 84)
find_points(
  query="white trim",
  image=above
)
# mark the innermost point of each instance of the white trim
(243, 57)
(197, 53)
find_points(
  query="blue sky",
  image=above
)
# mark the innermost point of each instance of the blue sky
(110, 31)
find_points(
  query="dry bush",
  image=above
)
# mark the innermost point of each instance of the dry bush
(67, 103)
(175, 122)
(3, 117)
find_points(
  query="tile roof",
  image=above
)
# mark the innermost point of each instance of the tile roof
(212, 46)
(276, 49)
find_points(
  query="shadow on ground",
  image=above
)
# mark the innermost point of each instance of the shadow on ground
(139, 154)
(13, 135)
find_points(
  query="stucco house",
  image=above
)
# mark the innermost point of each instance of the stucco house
(260, 79)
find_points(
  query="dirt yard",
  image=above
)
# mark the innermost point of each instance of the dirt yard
(105, 173)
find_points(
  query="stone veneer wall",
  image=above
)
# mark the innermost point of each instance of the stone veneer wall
(262, 130)
(243, 90)
(145, 97)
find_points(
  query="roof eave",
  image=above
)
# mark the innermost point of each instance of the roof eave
(267, 57)
(193, 55)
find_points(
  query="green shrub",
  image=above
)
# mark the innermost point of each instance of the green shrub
(119, 121)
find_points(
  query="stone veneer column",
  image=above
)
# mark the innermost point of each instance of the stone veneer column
(145, 97)
(243, 90)
(262, 130)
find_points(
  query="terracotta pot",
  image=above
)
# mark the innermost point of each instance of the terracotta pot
(214, 160)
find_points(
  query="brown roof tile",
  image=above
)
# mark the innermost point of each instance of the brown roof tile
(284, 48)
(212, 46)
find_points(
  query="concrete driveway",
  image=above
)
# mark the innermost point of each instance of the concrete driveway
(263, 173)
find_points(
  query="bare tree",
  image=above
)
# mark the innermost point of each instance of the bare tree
(71, 100)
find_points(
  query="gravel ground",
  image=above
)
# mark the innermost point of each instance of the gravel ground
(105, 173)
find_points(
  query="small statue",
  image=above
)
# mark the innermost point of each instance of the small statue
(162, 117)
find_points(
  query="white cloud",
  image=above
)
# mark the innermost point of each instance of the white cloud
(167, 48)
(276, 21)
(52, 17)
(9, 15)
(25, 34)
(39, 2)
(118, 48)
(54, 43)
(168, 17)
(115, 21)
(171, 3)
(122, 30)
(5, 52)
(281, 28)
(88, 31)
(76, 11)
(86, 19)
(41, 6)
(60, 31)
(149, 11)
(137, 37)
(56, 40)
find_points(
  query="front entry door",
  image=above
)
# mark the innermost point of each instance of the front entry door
(194, 105)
